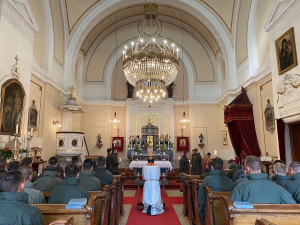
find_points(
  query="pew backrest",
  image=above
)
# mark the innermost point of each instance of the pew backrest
(280, 214)
(183, 178)
(214, 211)
(65, 220)
(263, 222)
(196, 184)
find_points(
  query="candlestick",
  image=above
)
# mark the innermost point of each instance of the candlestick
(15, 153)
(31, 131)
(17, 128)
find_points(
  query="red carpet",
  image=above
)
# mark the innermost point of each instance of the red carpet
(136, 217)
(172, 184)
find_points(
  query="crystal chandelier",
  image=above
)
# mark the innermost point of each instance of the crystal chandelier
(184, 121)
(115, 122)
(149, 70)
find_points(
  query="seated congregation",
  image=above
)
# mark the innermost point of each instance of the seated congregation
(22, 190)
(219, 193)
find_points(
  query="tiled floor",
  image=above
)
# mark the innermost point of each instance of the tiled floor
(129, 193)
(127, 208)
(174, 193)
(178, 210)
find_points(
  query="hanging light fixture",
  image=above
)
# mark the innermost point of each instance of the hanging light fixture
(115, 122)
(184, 121)
(149, 70)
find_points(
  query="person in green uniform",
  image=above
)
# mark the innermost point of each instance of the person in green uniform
(293, 186)
(14, 205)
(34, 196)
(2, 167)
(60, 172)
(237, 174)
(48, 182)
(113, 162)
(14, 165)
(258, 189)
(232, 168)
(87, 178)
(53, 162)
(69, 188)
(280, 176)
(196, 162)
(108, 160)
(207, 169)
(105, 177)
(184, 164)
(217, 181)
(28, 162)
(273, 169)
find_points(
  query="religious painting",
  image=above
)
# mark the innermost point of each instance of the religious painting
(269, 117)
(12, 107)
(149, 141)
(224, 137)
(32, 116)
(118, 142)
(286, 51)
(182, 143)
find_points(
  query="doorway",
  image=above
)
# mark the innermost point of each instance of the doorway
(295, 141)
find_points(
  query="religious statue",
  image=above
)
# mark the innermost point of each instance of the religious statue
(170, 90)
(201, 138)
(269, 117)
(32, 116)
(99, 142)
(130, 90)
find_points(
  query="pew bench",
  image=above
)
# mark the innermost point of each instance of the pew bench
(280, 214)
(190, 195)
(66, 220)
(263, 222)
(119, 197)
(183, 178)
(214, 211)
(196, 184)
(92, 214)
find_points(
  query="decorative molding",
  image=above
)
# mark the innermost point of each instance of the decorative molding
(288, 85)
(133, 126)
(166, 124)
(19, 14)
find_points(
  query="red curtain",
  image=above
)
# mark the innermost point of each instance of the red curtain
(281, 138)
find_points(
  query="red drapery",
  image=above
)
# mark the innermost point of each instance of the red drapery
(281, 138)
(238, 116)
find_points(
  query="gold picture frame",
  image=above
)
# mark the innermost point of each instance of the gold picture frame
(286, 51)
(224, 137)
(13, 99)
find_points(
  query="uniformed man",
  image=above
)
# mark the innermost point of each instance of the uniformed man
(217, 181)
(105, 177)
(280, 176)
(87, 178)
(258, 189)
(34, 196)
(48, 182)
(53, 162)
(237, 174)
(2, 167)
(293, 186)
(192, 160)
(60, 172)
(108, 160)
(197, 162)
(14, 205)
(207, 169)
(273, 168)
(28, 162)
(184, 163)
(69, 188)
(14, 165)
(112, 162)
(232, 168)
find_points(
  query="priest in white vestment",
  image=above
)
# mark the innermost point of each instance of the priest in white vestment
(151, 192)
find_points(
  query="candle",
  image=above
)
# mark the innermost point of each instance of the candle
(31, 131)
(120, 160)
(215, 153)
(17, 128)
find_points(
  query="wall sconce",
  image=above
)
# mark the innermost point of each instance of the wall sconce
(55, 122)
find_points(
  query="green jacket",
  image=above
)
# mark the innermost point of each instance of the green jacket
(48, 182)
(88, 181)
(281, 180)
(231, 171)
(184, 165)
(258, 189)
(112, 163)
(66, 191)
(48, 168)
(293, 187)
(34, 196)
(105, 177)
(197, 164)
(15, 210)
(217, 181)
(237, 174)
(244, 177)
(35, 176)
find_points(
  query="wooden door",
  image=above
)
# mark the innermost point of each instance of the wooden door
(296, 141)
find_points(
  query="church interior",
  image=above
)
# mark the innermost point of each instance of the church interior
(184, 82)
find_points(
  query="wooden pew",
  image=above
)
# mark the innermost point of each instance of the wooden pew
(119, 197)
(263, 222)
(190, 196)
(92, 214)
(280, 214)
(183, 178)
(214, 211)
(196, 182)
(66, 220)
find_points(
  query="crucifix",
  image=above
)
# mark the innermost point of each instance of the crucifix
(17, 59)
(72, 92)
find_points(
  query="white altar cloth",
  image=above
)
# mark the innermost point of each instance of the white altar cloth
(151, 192)
(141, 164)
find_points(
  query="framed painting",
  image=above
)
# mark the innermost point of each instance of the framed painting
(12, 107)
(286, 51)
(182, 143)
(118, 142)
(224, 137)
